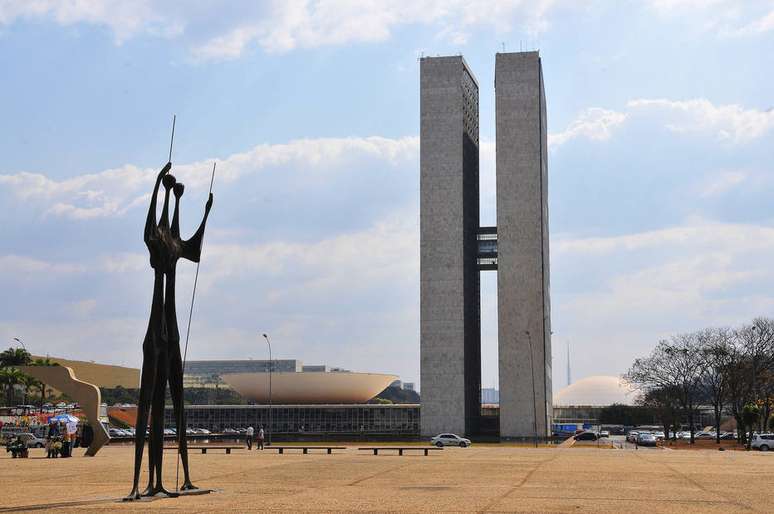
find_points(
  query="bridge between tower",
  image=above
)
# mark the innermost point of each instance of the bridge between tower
(486, 259)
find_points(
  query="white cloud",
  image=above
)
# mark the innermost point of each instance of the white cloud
(594, 123)
(284, 25)
(291, 25)
(124, 19)
(726, 122)
(722, 183)
(115, 191)
(722, 17)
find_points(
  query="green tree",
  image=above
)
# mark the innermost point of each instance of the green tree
(15, 357)
(9, 379)
(42, 387)
(750, 414)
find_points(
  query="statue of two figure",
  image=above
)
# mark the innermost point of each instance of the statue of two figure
(162, 361)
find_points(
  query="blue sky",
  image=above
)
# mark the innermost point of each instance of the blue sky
(661, 123)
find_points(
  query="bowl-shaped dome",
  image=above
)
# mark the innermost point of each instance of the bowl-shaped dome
(310, 387)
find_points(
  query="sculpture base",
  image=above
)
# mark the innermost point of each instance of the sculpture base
(172, 494)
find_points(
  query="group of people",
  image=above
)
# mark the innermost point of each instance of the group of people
(249, 438)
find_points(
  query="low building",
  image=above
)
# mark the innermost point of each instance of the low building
(319, 420)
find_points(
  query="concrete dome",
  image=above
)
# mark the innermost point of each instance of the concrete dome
(596, 391)
(309, 387)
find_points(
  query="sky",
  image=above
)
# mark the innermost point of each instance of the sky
(661, 171)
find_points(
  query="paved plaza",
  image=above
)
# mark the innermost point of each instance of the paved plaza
(476, 479)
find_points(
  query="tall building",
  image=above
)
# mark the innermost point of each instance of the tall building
(454, 248)
(523, 300)
(449, 279)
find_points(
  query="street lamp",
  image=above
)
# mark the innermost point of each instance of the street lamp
(534, 398)
(271, 366)
(20, 342)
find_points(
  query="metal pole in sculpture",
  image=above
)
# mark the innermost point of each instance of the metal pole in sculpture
(187, 335)
(162, 362)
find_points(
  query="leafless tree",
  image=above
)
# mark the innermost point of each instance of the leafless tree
(716, 354)
(675, 365)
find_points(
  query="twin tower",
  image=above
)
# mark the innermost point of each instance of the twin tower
(454, 249)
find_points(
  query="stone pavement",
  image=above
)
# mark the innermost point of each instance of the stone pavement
(476, 479)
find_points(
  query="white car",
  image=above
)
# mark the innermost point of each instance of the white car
(31, 440)
(450, 440)
(762, 442)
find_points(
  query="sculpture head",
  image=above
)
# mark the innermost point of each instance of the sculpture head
(169, 182)
(178, 190)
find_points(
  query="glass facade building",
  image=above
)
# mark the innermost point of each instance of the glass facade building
(367, 419)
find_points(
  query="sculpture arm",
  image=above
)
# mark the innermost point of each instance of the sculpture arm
(192, 248)
(150, 222)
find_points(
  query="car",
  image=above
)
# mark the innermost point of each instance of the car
(646, 439)
(704, 435)
(118, 432)
(168, 431)
(604, 433)
(442, 440)
(586, 436)
(728, 436)
(230, 431)
(659, 436)
(203, 431)
(31, 440)
(762, 442)
(632, 436)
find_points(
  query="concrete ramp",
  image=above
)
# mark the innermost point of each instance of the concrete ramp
(87, 395)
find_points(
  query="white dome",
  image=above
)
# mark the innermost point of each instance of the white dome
(598, 390)
(309, 387)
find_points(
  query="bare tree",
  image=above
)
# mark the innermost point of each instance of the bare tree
(675, 365)
(716, 356)
(665, 405)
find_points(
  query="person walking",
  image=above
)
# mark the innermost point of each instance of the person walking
(260, 438)
(249, 438)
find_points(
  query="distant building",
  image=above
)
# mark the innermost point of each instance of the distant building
(408, 386)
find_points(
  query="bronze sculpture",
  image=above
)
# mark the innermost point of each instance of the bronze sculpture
(162, 360)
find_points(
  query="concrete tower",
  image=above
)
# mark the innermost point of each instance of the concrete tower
(454, 249)
(449, 219)
(523, 300)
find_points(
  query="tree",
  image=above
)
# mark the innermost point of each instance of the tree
(43, 362)
(750, 415)
(674, 365)
(665, 405)
(9, 379)
(715, 354)
(627, 415)
(15, 357)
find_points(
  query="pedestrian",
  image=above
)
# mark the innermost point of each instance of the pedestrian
(260, 438)
(249, 438)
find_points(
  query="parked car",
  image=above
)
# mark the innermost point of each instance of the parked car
(762, 442)
(604, 433)
(646, 439)
(704, 435)
(168, 431)
(659, 436)
(450, 440)
(32, 441)
(116, 432)
(632, 436)
(586, 436)
(728, 436)
(230, 431)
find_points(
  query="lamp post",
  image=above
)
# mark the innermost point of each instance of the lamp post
(271, 367)
(20, 342)
(534, 399)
